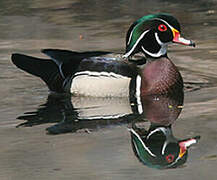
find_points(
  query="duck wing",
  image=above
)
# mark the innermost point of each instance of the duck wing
(54, 71)
(66, 59)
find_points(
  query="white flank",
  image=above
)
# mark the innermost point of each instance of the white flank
(132, 49)
(100, 84)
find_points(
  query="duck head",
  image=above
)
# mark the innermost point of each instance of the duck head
(151, 35)
(158, 148)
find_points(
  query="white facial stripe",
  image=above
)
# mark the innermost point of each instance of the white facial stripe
(152, 132)
(164, 147)
(165, 23)
(136, 148)
(138, 40)
(163, 49)
(158, 39)
(156, 130)
(130, 36)
(162, 129)
(143, 144)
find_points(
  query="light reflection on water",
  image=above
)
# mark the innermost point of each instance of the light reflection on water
(28, 26)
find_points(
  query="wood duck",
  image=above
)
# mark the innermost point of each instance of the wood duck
(104, 74)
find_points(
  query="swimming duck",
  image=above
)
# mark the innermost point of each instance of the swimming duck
(105, 74)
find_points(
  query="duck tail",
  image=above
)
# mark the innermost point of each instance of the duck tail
(46, 69)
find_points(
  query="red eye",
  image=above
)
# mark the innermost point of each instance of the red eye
(162, 27)
(170, 158)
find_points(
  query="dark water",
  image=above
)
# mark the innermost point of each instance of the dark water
(100, 148)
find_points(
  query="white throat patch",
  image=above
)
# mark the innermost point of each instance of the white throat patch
(161, 52)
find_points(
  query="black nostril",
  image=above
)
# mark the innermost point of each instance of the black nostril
(192, 44)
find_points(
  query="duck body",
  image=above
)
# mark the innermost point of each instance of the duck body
(98, 76)
(104, 74)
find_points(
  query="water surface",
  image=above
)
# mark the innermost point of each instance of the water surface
(100, 149)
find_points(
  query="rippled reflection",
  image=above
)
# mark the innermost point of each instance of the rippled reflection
(156, 147)
(80, 113)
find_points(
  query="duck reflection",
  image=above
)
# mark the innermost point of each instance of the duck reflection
(157, 147)
(72, 114)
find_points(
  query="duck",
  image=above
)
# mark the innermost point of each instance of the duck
(144, 68)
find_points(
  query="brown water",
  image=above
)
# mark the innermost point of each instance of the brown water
(105, 153)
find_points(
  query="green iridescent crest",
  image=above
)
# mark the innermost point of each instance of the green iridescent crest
(137, 29)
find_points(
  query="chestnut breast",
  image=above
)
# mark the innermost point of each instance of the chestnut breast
(160, 76)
